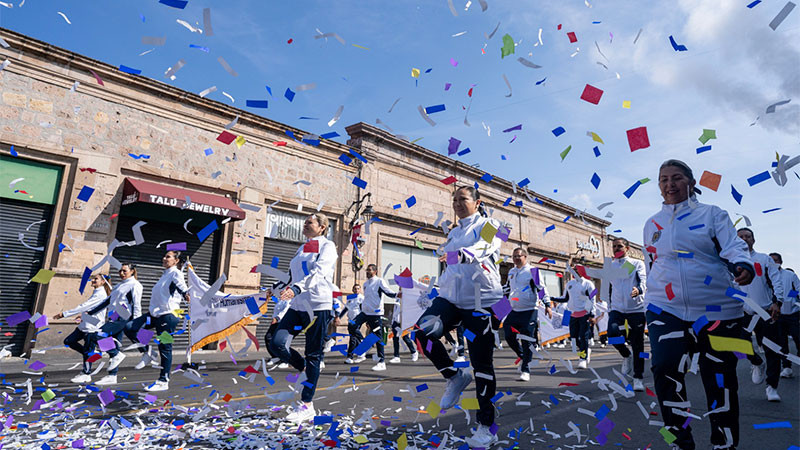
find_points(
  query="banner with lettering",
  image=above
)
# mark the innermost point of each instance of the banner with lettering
(218, 315)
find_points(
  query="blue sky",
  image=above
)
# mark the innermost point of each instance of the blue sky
(735, 66)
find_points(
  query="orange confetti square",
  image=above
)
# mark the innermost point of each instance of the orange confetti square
(710, 180)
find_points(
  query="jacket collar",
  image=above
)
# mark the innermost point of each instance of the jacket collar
(469, 220)
(675, 208)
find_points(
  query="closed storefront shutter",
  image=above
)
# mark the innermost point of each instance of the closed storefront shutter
(19, 263)
(147, 258)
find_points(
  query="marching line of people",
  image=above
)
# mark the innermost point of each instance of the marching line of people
(701, 280)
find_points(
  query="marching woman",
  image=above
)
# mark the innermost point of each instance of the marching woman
(310, 288)
(469, 286)
(163, 315)
(122, 305)
(627, 306)
(397, 327)
(524, 292)
(582, 311)
(277, 314)
(88, 326)
(695, 257)
(352, 310)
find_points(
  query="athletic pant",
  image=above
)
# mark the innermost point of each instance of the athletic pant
(717, 372)
(291, 325)
(458, 342)
(168, 322)
(770, 330)
(581, 331)
(789, 324)
(268, 338)
(375, 325)
(525, 323)
(355, 337)
(86, 348)
(442, 317)
(635, 336)
(396, 331)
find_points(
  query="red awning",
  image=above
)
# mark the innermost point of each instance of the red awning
(161, 194)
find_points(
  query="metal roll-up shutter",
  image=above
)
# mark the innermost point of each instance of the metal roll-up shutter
(147, 258)
(284, 251)
(18, 263)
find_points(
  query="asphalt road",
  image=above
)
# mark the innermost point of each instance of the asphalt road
(394, 401)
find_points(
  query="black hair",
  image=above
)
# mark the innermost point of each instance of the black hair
(475, 196)
(522, 249)
(746, 229)
(373, 266)
(132, 267)
(625, 241)
(683, 168)
(778, 255)
(180, 257)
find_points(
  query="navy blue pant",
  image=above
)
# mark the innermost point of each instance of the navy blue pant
(86, 348)
(268, 338)
(526, 323)
(717, 372)
(635, 336)
(168, 322)
(397, 331)
(581, 331)
(458, 342)
(375, 325)
(442, 317)
(355, 337)
(789, 324)
(291, 325)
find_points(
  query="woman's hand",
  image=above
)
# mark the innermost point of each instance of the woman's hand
(287, 294)
(443, 258)
(58, 316)
(744, 276)
(274, 321)
(548, 312)
(187, 298)
(635, 292)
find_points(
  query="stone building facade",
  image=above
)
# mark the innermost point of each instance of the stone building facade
(132, 137)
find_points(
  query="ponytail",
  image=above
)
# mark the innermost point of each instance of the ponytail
(180, 257)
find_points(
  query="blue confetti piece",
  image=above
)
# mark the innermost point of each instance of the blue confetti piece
(653, 308)
(683, 216)
(731, 292)
(270, 380)
(358, 156)
(252, 306)
(541, 81)
(434, 109)
(758, 178)
(469, 335)
(496, 397)
(596, 151)
(554, 399)
(752, 5)
(687, 255)
(422, 387)
(707, 281)
(464, 152)
(487, 178)
(703, 149)
(550, 228)
(415, 231)
(644, 355)
(179, 4)
(764, 426)
(595, 180)
(677, 47)
(566, 219)
(199, 47)
(602, 412)
(208, 151)
(616, 340)
(330, 135)
(558, 131)
(397, 206)
(697, 227)
(565, 319)
(354, 369)
(713, 308)
(699, 324)
(720, 380)
(274, 262)
(518, 203)
(770, 210)
(507, 202)
(397, 399)
(257, 104)
(307, 384)
(289, 94)
(85, 194)
(320, 420)
(411, 201)
(524, 182)
(736, 195)
(14, 152)
(207, 230)
(346, 160)
(366, 344)
(269, 89)
(461, 364)
(129, 70)
(304, 266)
(629, 192)
(359, 182)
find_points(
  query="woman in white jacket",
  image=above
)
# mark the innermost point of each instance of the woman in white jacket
(163, 314)
(469, 286)
(694, 255)
(88, 325)
(310, 289)
(582, 311)
(122, 305)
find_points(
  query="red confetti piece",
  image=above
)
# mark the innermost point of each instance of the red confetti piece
(657, 225)
(626, 436)
(449, 180)
(311, 246)
(568, 384)
(712, 327)
(558, 27)
(227, 398)
(94, 357)
(226, 138)
(759, 270)
(290, 41)
(572, 37)
(114, 216)
(88, 169)
(649, 392)
(637, 138)
(279, 143)
(250, 369)
(591, 94)
(668, 289)
(97, 77)
(559, 275)
(222, 345)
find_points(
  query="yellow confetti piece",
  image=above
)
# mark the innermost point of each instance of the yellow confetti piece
(402, 442)
(595, 137)
(309, 325)
(240, 141)
(470, 403)
(48, 395)
(626, 327)
(415, 73)
(433, 409)
(728, 344)
(43, 276)
(626, 104)
(361, 439)
(178, 312)
(488, 232)
(360, 46)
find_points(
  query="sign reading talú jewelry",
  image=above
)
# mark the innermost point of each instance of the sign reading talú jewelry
(592, 245)
(288, 226)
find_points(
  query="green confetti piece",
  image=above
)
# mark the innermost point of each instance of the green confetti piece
(508, 46)
(644, 180)
(707, 136)
(48, 395)
(165, 338)
(629, 267)
(565, 152)
(668, 436)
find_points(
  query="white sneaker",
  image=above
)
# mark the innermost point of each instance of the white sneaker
(395, 360)
(627, 365)
(348, 361)
(481, 438)
(787, 372)
(83, 378)
(381, 366)
(274, 361)
(302, 413)
(158, 386)
(360, 358)
(114, 362)
(588, 355)
(329, 345)
(561, 345)
(772, 394)
(757, 373)
(143, 362)
(322, 364)
(454, 387)
(638, 386)
(583, 364)
(107, 380)
(524, 376)
(415, 356)
(460, 359)
(283, 365)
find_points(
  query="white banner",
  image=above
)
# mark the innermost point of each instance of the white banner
(219, 315)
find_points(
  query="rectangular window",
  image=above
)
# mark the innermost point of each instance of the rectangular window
(420, 262)
(551, 281)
